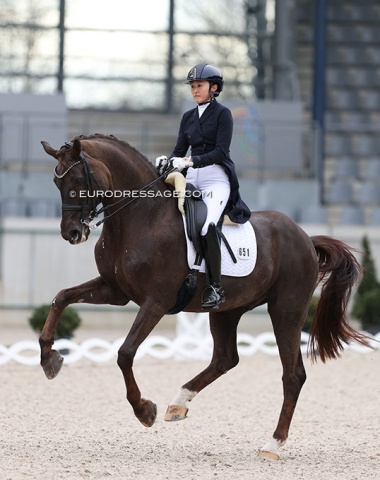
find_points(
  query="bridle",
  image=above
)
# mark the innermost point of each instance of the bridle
(88, 210)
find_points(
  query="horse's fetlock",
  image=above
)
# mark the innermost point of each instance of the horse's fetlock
(45, 343)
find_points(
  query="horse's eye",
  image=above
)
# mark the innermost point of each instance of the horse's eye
(78, 181)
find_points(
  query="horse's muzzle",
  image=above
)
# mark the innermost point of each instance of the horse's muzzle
(76, 235)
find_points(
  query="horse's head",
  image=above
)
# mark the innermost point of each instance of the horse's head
(79, 185)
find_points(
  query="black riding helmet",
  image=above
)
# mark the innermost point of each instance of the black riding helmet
(204, 71)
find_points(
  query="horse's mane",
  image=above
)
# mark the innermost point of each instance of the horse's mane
(112, 139)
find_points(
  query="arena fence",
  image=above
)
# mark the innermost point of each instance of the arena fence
(192, 342)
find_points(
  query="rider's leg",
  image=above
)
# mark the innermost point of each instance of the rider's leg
(214, 294)
(214, 184)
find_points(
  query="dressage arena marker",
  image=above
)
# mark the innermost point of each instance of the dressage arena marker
(193, 341)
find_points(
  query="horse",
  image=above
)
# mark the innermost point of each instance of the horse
(141, 257)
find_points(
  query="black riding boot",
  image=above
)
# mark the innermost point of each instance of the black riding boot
(214, 293)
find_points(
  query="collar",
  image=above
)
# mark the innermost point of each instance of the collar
(202, 107)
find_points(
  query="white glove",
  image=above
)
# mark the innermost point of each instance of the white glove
(180, 163)
(161, 160)
(161, 163)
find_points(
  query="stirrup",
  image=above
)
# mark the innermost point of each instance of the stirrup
(214, 298)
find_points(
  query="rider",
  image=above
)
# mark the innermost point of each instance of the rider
(207, 129)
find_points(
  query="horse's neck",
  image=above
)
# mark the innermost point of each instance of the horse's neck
(131, 178)
(126, 166)
(139, 215)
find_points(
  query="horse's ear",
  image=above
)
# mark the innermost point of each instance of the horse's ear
(49, 149)
(76, 149)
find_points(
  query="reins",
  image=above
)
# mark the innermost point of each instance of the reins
(142, 189)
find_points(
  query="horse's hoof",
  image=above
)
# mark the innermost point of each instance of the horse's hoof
(175, 413)
(270, 449)
(53, 365)
(269, 455)
(150, 414)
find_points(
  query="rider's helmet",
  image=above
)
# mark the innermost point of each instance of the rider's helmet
(204, 71)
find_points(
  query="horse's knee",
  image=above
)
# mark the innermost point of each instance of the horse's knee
(60, 300)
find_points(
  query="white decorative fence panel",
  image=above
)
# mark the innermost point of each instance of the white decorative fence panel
(193, 341)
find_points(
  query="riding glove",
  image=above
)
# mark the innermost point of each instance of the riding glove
(180, 163)
(161, 163)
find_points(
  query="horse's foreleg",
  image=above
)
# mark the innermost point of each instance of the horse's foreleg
(95, 291)
(223, 327)
(146, 319)
(287, 330)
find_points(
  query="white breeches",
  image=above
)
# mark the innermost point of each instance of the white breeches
(213, 182)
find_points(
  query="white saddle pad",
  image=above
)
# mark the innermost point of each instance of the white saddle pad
(242, 240)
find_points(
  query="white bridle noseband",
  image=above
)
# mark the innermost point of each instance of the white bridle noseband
(66, 171)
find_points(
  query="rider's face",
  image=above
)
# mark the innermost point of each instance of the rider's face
(200, 89)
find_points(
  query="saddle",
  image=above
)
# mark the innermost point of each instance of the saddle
(191, 205)
(195, 215)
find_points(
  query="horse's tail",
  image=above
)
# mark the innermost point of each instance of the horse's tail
(339, 271)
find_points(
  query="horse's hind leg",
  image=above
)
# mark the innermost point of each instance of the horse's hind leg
(287, 329)
(223, 326)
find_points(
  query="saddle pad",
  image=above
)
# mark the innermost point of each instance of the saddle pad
(242, 240)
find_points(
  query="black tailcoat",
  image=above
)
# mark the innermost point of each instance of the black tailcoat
(210, 138)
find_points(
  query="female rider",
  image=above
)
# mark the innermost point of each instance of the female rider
(207, 130)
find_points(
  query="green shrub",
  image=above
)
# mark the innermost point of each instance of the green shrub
(366, 305)
(367, 310)
(369, 280)
(310, 313)
(68, 323)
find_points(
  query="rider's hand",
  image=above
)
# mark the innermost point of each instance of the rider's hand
(161, 163)
(180, 163)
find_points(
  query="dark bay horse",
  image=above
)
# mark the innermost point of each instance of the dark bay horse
(141, 257)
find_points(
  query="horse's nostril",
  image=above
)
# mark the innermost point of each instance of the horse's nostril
(74, 236)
